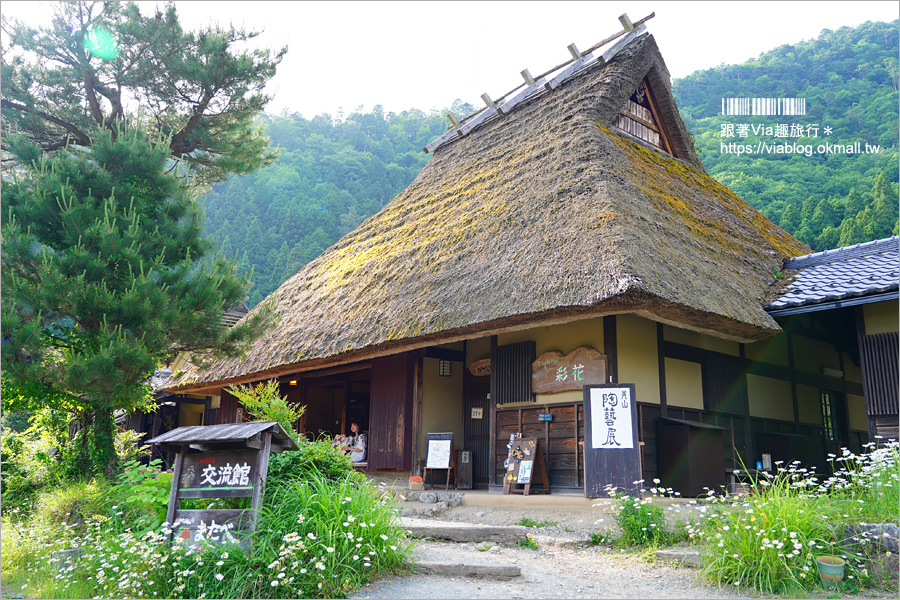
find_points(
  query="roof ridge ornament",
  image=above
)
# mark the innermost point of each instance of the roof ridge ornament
(532, 85)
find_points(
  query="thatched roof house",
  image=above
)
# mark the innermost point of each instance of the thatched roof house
(545, 214)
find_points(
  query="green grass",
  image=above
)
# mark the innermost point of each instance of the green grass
(316, 538)
(527, 522)
(769, 539)
(528, 542)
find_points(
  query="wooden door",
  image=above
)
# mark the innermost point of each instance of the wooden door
(391, 413)
(477, 432)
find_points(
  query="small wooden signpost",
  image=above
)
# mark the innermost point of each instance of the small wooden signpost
(440, 455)
(525, 466)
(220, 461)
(612, 454)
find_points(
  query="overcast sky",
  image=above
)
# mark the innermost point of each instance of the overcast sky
(426, 54)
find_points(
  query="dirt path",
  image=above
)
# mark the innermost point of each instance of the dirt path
(550, 572)
(565, 565)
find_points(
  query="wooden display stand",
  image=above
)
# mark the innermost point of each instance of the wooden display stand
(440, 455)
(526, 467)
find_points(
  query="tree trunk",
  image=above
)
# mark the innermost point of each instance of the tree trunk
(101, 440)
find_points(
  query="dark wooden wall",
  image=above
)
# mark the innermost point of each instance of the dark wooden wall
(879, 356)
(785, 440)
(391, 413)
(561, 440)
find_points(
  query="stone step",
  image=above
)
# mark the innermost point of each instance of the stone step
(685, 557)
(461, 560)
(464, 532)
(448, 569)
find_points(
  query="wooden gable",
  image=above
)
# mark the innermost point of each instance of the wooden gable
(640, 118)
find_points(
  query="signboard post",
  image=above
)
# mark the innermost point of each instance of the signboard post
(611, 447)
(525, 466)
(220, 461)
(440, 455)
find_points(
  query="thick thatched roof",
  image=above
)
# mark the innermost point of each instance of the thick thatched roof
(540, 215)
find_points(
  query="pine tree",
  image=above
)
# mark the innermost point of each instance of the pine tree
(851, 233)
(199, 91)
(854, 204)
(790, 219)
(105, 272)
(884, 207)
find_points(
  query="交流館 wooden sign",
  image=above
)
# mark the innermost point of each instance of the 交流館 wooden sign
(220, 461)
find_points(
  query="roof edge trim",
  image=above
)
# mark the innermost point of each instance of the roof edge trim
(859, 300)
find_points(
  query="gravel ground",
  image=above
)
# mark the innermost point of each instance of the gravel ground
(550, 572)
(564, 566)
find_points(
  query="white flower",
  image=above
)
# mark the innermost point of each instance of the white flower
(219, 576)
(329, 549)
(311, 536)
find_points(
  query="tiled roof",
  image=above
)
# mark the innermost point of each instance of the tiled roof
(834, 275)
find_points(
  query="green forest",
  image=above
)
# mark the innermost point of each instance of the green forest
(335, 171)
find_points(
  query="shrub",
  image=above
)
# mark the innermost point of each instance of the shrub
(144, 491)
(73, 504)
(265, 402)
(31, 461)
(316, 539)
(642, 522)
(770, 539)
(15, 421)
(313, 459)
(529, 542)
(128, 446)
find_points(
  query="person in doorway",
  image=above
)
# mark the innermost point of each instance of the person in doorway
(355, 445)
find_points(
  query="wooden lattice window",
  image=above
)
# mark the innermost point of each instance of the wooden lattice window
(640, 118)
(511, 373)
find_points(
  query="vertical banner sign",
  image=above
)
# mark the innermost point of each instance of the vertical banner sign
(611, 422)
(611, 448)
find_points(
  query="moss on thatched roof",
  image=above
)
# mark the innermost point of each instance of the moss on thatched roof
(540, 215)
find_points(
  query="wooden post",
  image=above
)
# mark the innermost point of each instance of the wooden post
(573, 50)
(577, 462)
(174, 502)
(492, 408)
(262, 465)
(626, 22)
(417, 415)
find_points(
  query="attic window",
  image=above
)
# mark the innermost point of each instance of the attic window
(640, 118)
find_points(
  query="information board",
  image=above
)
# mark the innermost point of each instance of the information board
(440, 446)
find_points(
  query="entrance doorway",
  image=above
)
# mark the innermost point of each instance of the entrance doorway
(478, 431)
(333, 402)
